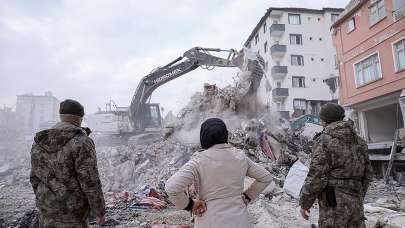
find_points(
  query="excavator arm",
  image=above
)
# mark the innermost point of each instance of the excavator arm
(140, 111)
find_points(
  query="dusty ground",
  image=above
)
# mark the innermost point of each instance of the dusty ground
(279, 211)
(276, 209)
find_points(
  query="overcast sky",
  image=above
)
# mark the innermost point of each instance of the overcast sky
(97, 50)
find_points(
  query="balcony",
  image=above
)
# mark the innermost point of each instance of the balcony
(277, 29)
(280, 93)
(279, 72)
(278, 50)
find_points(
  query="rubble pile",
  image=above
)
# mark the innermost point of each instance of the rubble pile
(16, 196)
(133, 174)
(129, 167)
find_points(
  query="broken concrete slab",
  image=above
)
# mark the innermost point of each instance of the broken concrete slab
(295, 179)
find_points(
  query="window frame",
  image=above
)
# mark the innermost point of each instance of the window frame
(299, 80)
(296, 35)
(302, 58)
(380, 17)
(301, 100)
(354, 25)
(294, 14)
(402, 39)
(363, 59)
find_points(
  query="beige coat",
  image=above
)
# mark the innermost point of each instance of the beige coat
(219, 174)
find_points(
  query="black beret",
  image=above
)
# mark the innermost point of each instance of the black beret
(331, 112)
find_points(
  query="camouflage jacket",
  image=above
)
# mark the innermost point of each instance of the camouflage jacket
(64, 175)
(339, 159)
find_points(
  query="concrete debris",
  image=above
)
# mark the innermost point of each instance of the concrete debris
(29, 220)
(402, 205)
(295, 179)
(133, 174)
(310, 130)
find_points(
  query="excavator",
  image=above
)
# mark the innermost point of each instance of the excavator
(143, 115)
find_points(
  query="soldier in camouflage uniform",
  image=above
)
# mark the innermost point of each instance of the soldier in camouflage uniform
(339, 174)
(64, 172)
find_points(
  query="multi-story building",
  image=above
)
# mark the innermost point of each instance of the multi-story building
(300, 62)
(369, 37)
(9, 125)
(37, 112)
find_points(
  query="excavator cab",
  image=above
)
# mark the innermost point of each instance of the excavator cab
(153, 116)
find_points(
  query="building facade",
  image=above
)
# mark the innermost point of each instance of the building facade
(300, 62)
(37, 112)
(369, 37)
(9, 125)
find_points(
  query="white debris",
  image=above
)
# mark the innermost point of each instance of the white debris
(295, 179)
(310, 130)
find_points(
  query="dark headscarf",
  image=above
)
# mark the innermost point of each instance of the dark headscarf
(213, 131)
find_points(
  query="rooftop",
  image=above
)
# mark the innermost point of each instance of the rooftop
(289, 9)
(350, 9)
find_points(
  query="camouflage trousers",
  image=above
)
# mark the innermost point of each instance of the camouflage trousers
(348, 213)
(46, 222)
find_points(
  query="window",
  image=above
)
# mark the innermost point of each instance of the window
(310, 38)
(351, 25)
(321, 59)
(298, 82)
(278, 84)
(319, 19)
(265, 47)
(257, 39)
(376, 11)
(398, 9)
(294, 19)
(264, 27)
(320, 38)
(399, 55)
(300, 104)
(367, 70)
(296, 39)
(297, 60)
(334, 17)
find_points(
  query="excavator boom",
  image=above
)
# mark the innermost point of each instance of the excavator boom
(141, 113)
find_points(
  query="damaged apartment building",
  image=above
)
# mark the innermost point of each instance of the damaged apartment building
(300, 59)
(37, 112)
(369, 37)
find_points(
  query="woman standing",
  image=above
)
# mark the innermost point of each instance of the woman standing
(218, 174)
